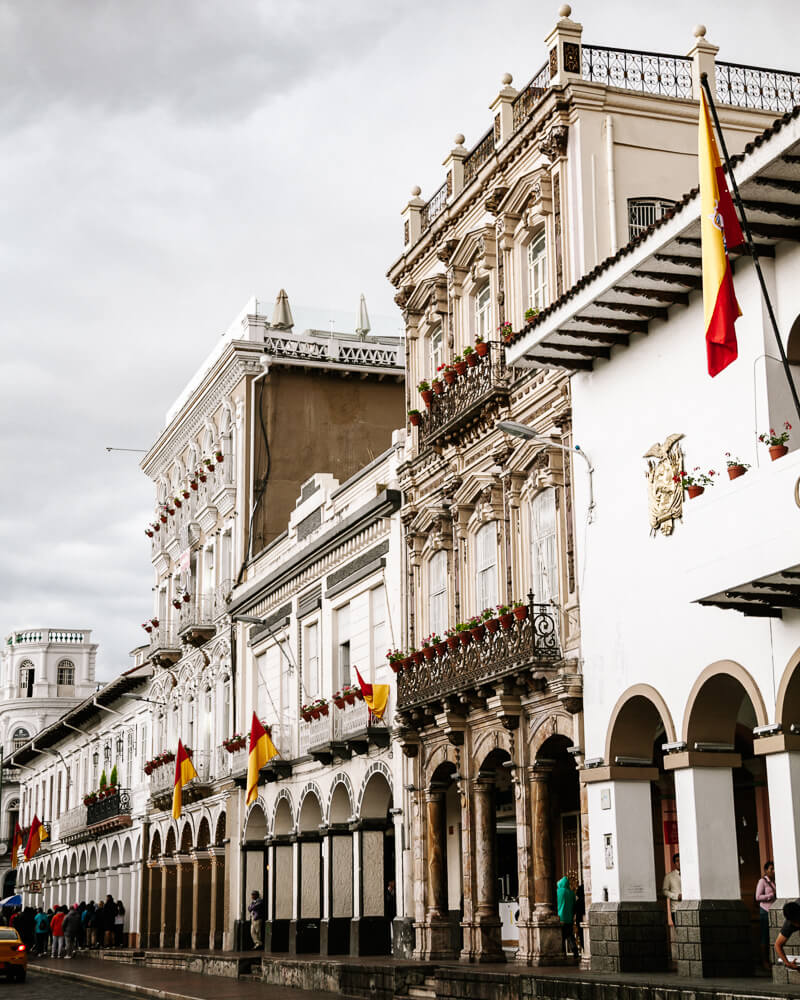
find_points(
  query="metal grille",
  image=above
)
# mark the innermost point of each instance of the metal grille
(647, 72)
(644, 212)
(751, 87)
(435, 206)
(528, 97)
(478, 156)
(468, 391)
(118, 804)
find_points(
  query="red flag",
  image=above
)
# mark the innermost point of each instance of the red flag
(34, 839)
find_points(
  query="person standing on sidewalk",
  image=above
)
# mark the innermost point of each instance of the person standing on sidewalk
(41, 924)
(57, 930)
(109, 920)
(257, 912)
(791, 923)
(565, 898)
(765, 897)
(71, 928)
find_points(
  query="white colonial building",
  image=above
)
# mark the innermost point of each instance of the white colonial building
(690, 607)
(42, 672)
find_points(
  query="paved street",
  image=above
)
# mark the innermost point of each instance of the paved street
(39, 987)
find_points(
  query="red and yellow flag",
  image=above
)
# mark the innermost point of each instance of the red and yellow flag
(375, 695)
(35, 838)
(184, 772)
(719, 231)
(16, 843)
(262, 749)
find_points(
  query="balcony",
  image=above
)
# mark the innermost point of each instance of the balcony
(526, 647)
(72, 826)
(341, 734)
(231, 764)
(162, 780)
(50, 635)
(165, 647)
(221, 597)
(86, 822)
(196, 624)
(481, 388)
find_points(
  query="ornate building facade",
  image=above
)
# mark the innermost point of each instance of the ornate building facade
(493, 723)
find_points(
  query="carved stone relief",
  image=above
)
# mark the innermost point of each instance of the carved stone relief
(664, 495)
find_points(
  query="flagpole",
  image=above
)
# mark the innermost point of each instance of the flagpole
(750, 244)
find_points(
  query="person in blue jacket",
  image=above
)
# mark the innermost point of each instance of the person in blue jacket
(565, 899)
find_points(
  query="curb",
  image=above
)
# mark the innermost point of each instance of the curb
(110, 984)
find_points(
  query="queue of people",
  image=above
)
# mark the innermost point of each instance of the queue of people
(62, 931)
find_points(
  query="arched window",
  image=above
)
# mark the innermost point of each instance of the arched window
(13, 819)
(20, 738)
(544, 550)
(26, 677)
(537, 272)
(486, 567)
(66, 672)
(437, 592)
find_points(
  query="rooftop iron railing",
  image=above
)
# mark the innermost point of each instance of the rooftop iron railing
(647, 72)
(752, 87)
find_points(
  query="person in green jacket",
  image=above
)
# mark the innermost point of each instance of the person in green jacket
(565, 899)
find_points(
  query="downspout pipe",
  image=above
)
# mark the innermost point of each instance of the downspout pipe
(611, 179)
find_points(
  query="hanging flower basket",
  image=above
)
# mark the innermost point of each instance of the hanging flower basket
(428, 652)
(193, 484)
(416, 656)
(441, 648)
(449, 374)
(471, 357)
(148, 532)
(492, 625)
(186, 494)
(460, 365)
(178, 502)
(520, 610)
(504, 616)
(438, 386)
(163, 518)
(202, 477)
(452, 639)
(407, 661)
(414, 417)
(176, 603)
(219, 457)
(338, 700)
(186, 598)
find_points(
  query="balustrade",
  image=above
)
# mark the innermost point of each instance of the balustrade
(646, 72)
(461, 401)
(478, 155)
(163, 778)
(529, 96)
(221, 597)
(71, 822)
(49, 635)
(435, 206)
(316, 733)
(527, 642)
(751, 87)
(118, 804)
(231, 763)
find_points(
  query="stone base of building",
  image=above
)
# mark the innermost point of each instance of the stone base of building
(629, 937)
(780, 974)
(712, 938)
(434, 941)
(402, 937)
(540, 941)
(334, 936)
(369, 936)
(276, 936)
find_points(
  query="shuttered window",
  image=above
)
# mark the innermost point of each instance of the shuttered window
(486, 567)
(544, 551)
(437, 592)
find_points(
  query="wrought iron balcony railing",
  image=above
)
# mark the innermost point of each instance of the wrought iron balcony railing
(110, 807)
(529, 95)
(527, 643)
(478, 156)
(466, 398)
(165, 646)
(647, 72)
(751, 87)
(196, 615)
(435, 206)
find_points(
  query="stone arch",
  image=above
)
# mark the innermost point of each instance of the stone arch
(187, 838)
(219, 833)
(309, 815)
(203, 834)
(493, 739)
(635, 720)
(375, 797)
(103, 857)
(793, 343)
(115, 854)
(715, 700)
(127, 853)
(340, 800)
(93, 859)
(155, 846)
(82, 862)
(255, 827)
(558, 724)
(73, 863)
(787, 705)
(171, 842)
(283, 817)
(444, 754)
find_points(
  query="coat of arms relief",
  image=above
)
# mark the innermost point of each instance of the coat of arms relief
(664, 494)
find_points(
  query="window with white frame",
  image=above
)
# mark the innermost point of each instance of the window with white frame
(483, 312)
(377, 617)
(537, 272)
(437, 592)
(26, 678)
(66, 672)
(436, 355)
(342, 646)
(20, 738)
(311, 678)
(486, 566)
(544, 550)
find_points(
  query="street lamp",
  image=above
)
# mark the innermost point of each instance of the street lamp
(519, 430)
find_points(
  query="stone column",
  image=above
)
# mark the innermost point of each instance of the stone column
(783, 781)
(201, 899)
(436, 919)
(183, 902)
(489, 943)
(712, 924)
(166, 938)
(217, 859)
(545, 932)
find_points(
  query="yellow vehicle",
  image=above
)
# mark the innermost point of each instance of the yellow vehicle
(13, 955)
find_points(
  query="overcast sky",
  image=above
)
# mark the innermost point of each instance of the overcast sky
(162, 162)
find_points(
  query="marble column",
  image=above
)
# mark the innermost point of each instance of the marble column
(183, 902)
(201, 899)
(543, 886)
(215, 927)
(437, 872)
(489, 947)
(168, 903)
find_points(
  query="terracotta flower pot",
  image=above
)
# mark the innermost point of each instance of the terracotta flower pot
(193, 485)
(164, 516)
(506, 620)
(314, 713)
(407, 661)
(339, 702)
(416, 657)
(306, 716)
(777, 451)
(452, 641)
(478, 633)
(428, 652)
(461, 367)
(449, 377)
(350, 699)
(396, 665)
(465, 638)
(441, 648)
(481, 350)
(492, 624)
(415, 419)
(521, 612)
(324, 709)
(438, 386)
(202, 477)
(473, 360)
(427, 396)
(734, 471)
(695, 491)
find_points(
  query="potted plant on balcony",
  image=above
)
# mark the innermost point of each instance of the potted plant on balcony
(438, 644)
(504, 616)
(736, 467)
(414, 417)
(451, 637)
(460, 365)
(186, 493)
(148, 532)
(477, 628)
(436, 382)
(395, 658)
(776, 442)
(471, 357)
(695, 482)
(506, 331)
(193, 484)
(178, 502)
(490, 620)
(209, 464)
(426, 392)
(415, 655)
(531, 313)
(201, 475)
(448, 373)
(219, 457)
(519, 610)
(155, 526)
(481, 347)
(427, 648)
(338, 699)
(349, 694)
(90, 798)
(166, 757)
(464, 633)
(322, 705)
(186, 597)
(176, 603)
(154, 622)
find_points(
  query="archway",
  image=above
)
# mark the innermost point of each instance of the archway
(201, 902)
(444, 889)
(254, 857)
(309, 910)
(377, 855)
(496, 856)
(283, 877)
(219, 884)
(336, 936)
(152, 932)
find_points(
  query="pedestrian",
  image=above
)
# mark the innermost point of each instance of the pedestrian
(82, 931)
(765, 897)
(565, 898)
(791, 923)
(57, 931)
(71, 927)
(580, 913)
(119, 925)
(96, 925)
(671, 886)
(109, 918)
(257, 912)
(390, 910)
(41, 924)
